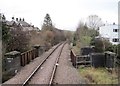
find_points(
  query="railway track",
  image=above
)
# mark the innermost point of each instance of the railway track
(55, 67)
(51, 77)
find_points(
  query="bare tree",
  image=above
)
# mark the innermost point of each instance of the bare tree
(19, 40)
(36, 38)
(94, 22)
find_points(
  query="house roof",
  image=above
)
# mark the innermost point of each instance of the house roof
(28, 28)
(10, 22)
(23, 23)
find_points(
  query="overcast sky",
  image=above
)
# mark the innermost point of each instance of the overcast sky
(65, 14)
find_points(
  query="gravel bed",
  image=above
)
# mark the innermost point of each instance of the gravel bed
(43, 75)
(25, 71)
(66, 73)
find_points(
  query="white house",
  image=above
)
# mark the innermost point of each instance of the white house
(110, 32)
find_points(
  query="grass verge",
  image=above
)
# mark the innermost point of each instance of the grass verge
(98, 75)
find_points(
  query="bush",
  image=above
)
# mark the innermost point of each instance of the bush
(74, 43)
(99, 46)
(118, 50)
(102, 45)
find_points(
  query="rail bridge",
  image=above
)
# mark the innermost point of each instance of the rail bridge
(52, 67)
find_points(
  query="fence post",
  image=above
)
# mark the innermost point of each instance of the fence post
(37, 52)
(73, 58)
(22, 60)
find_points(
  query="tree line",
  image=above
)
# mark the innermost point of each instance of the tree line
(15, 39)
(87, 34)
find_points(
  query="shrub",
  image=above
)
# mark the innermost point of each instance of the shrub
(99, 46)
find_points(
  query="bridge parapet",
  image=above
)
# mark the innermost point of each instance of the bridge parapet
(11, 64)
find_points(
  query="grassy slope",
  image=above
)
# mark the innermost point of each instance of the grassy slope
(98, 76)
(92, 75)
(85, 41)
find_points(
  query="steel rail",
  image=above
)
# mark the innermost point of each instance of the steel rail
(37, 68)
(55, 66)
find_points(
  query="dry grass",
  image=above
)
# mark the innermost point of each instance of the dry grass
(36, 38)
(76, 50)
(98, 75)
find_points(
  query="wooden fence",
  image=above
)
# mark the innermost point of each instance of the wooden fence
(73, 58)
(78, 60)
(26, 57)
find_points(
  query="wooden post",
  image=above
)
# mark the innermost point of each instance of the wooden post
(37, 51)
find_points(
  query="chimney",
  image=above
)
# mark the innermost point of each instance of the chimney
(33, 26)
(113, 23)
(16, 19)
(20, 19)
(3, 17)
(12, 18)
(23, 19)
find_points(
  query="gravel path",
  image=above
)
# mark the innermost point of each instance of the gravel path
(43, 75)
(22, 75)
(66, 73)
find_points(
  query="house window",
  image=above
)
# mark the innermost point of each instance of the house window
(115, 30)
(115, 40)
